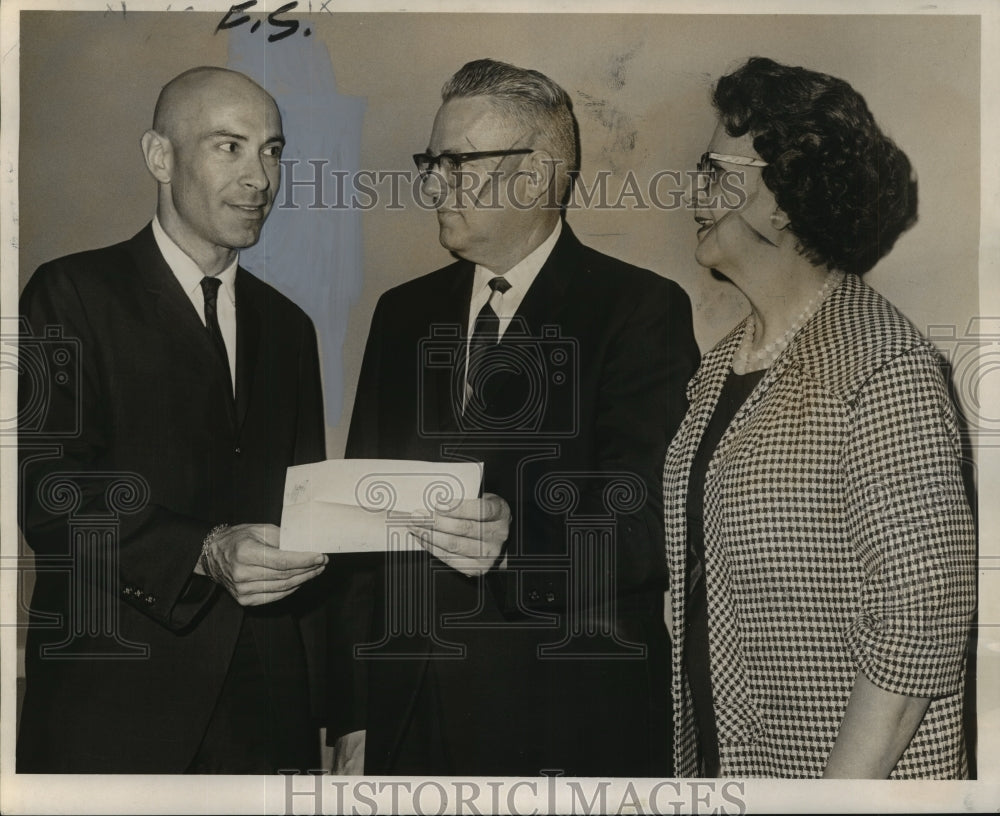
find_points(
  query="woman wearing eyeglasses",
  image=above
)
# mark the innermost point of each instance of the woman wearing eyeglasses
(820, 543)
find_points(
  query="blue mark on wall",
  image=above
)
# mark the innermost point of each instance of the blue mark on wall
(311, 255)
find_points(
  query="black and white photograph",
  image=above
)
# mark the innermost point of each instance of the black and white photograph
(447, 408)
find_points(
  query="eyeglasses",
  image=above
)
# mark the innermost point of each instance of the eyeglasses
(450, 163)
(705, 162)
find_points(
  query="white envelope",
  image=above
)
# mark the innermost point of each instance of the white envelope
(364, 505)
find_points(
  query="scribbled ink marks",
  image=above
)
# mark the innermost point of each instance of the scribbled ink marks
(616, 75)
(285, 27)
(622, 133)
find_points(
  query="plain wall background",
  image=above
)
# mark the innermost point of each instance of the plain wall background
(640, 85)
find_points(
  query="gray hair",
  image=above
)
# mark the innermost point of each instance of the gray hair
(532, 100)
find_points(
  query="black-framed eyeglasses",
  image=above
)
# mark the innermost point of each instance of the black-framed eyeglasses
(450, 163)
(705, 162)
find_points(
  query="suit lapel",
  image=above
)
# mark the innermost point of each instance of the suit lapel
(170, 308)
(543, 305)
(773, 375)
(547, 295)
(248, 333)
(447, 382)
(792, 358)
(170, 302)
(703, 391)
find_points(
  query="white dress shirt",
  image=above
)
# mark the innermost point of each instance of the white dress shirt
(505, 304)
(189, 277)
(520, 277)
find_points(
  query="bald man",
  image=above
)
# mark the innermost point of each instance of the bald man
(163, 635)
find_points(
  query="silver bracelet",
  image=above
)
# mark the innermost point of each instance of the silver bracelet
(207, 543)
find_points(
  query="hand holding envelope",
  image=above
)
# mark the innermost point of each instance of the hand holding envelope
(468, 538)
(377, 505)
(246, 561)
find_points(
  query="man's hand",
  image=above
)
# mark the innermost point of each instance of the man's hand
(468, 538)
(349, 754)
(245, 559)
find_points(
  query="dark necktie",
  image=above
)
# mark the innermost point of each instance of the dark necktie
(486, 330)
(485, 335)
(210, 288)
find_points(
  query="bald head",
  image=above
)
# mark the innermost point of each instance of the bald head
(215, 151)
(185, 98)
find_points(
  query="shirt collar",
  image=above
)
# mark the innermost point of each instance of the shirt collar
(523, 273)
(185, 269)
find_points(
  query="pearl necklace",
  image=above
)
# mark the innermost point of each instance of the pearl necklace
(745, 361)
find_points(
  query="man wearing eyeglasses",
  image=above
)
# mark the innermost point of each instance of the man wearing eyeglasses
(563, 371)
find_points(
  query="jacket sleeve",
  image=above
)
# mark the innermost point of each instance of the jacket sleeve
(641, 403)
(912, 531)
(310, 423)
(64, 435)
(308, 602)
(363, 440)
(351, 586)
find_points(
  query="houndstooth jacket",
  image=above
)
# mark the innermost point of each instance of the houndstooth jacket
(838, 540)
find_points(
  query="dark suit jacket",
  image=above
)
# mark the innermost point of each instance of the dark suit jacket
(127, 650)
(558, 660)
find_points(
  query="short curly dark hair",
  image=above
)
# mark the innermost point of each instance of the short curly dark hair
(848, 190)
